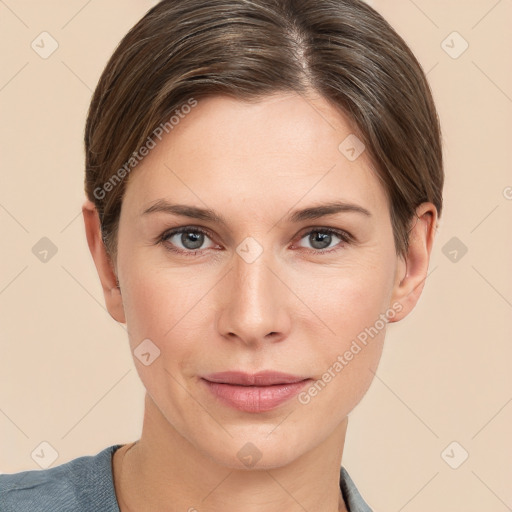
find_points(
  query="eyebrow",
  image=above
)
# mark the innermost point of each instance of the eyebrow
(206, 214)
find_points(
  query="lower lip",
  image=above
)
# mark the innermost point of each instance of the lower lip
(255, 398)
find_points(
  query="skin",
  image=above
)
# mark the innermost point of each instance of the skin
(213, 311)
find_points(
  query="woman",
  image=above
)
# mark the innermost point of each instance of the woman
(264, 181)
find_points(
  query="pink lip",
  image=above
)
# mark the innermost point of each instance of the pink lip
(259, 392)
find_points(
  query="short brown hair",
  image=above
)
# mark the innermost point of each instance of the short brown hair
(248, 49)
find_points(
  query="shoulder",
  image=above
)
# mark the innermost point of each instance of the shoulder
(80, 485)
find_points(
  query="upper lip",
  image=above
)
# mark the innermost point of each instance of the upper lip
(263, 378)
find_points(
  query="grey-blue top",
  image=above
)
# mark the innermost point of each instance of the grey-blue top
(85, 484)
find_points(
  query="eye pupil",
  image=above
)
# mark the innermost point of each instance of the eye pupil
(318, 240)
(196, 239)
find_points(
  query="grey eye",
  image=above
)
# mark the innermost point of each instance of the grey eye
(187, 239)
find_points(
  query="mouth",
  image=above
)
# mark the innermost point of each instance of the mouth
(258, 392)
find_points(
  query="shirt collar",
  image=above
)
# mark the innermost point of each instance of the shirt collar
(351, 496)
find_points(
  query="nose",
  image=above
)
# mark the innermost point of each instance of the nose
(254, 303)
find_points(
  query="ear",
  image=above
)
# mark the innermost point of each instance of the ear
(104, 266)
(412, 270)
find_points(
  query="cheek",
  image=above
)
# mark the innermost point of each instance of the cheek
(345, 362)
(347, 299)
(350, 314)
(166, 305)
(356, 322)
(160, 309)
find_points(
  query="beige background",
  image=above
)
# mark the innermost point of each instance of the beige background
(66, 374)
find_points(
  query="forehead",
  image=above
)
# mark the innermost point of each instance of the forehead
(283, 148)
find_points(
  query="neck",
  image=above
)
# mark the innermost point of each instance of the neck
(164, 468)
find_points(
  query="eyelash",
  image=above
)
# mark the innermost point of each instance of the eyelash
(346, 238)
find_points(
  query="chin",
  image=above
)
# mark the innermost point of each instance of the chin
(259, 451)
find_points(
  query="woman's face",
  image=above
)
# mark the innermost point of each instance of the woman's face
(269, 288)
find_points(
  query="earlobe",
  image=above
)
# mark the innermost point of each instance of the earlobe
(104, 265)
(412, 270)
